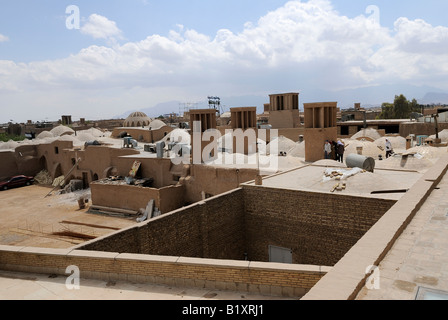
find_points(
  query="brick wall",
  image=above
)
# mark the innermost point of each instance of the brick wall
(319, 228)
(244, 276)
(421, 128)
(134, 198)
(208, 229)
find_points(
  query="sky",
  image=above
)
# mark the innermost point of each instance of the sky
(98, 59)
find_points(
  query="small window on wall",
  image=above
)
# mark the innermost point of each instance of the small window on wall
(73, 161)
(56, 150)
(280, 255)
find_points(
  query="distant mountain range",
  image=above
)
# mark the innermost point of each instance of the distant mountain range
(368, 97)
(434, 97)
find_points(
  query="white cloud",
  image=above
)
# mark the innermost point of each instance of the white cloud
(3, 38)
(100, 27)
(416, 52)
(419, 36)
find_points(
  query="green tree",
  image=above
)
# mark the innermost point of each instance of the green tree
(414, 106)
(400, 109)
(387, 111)
(7, 137)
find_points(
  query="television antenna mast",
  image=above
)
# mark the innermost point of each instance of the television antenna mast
(186, 107)
(215, 103)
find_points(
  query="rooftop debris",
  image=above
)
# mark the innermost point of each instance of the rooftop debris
(43, 178)
(134, 169)
(341, 174)
(89, 225)
(73, 234)
(118, 180)
(148, 212)
(59, 181)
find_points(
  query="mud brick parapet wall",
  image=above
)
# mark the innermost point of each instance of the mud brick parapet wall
(242, 276)
(243, 223)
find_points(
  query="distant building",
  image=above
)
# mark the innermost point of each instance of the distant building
(284, 110)
(359, 114)
(66, 120)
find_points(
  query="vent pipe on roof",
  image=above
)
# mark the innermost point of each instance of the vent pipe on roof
(359, 161)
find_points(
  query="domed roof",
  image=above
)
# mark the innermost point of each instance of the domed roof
(62, 130)
(137, 119)
(157, 124)
(137, 115)
(367, 134)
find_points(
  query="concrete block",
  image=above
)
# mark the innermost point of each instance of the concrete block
(210, 284)
(199, 283)
(93, 254)
(265, 289)
(146, 258)
(253, 288)
(288, 292)
(276, 291)
(179, 282)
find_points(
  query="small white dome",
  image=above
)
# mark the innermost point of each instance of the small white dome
(156, 124)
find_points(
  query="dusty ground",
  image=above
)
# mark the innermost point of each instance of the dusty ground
(29, 218)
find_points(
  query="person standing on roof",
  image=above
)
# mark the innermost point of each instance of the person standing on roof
(389, 149)
(327, 149)
(340, 151)
(334, 151)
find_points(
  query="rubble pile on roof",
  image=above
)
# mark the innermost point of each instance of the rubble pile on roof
(44, 178)
(59, 181)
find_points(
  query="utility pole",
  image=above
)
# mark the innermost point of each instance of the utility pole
(436, 116)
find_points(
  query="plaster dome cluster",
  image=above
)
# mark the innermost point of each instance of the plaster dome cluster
(137, 119)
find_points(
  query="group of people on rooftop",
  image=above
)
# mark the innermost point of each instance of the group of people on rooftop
(334, 150)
